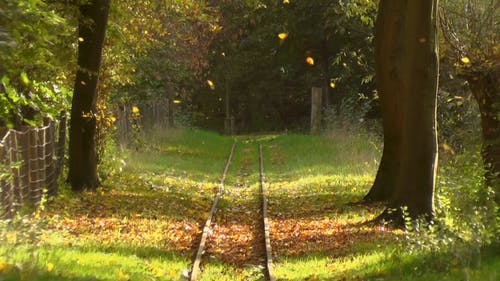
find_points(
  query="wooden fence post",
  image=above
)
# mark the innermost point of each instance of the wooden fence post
(41, 140)
(61, 144)
(18, 192)
(21, 176)
(316, 110)
(5, 183)
(50, 160)
(33, 165)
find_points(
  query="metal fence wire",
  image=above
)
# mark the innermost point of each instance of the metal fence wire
(31, 161)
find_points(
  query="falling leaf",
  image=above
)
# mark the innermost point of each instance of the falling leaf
(211, 84)
(448, 148)
(465, 60)
(50, 267)
(310, 61)
(80, 39)
(177, 101)
(5, 267)
(123, 276)
(286, 1)
(24, 78)
(332, 85)
(135, 110)
(282, 35)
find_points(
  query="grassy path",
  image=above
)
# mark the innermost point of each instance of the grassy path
(146, 220)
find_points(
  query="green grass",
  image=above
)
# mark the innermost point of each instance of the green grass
(144, 223)
(93, 263)
(193, 154)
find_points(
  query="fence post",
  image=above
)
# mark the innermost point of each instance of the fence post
(20, 148)
(61, 144)
(33, 165)
(50, 160)
(18, 192)
(316, 110)
(41, 140)
(5, 183)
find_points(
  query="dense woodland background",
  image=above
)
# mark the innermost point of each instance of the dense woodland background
(252, 51)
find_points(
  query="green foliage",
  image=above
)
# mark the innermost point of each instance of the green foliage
(35, 102)
(466, 228)
(158, 44)
(471, 31)
(35, 57)
(458, 117)
(35, 39)
(468, 205)
(351, 114)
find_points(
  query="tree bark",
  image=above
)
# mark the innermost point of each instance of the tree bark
(407, 77)
(389, 83)
(420, 65)
(82, 148)
(485, 87)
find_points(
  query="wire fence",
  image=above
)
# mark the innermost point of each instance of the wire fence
(31, 160)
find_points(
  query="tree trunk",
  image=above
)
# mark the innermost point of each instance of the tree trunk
(486, 89)
(82, 148)
(408, 79)
(389, 82)
(420, 66)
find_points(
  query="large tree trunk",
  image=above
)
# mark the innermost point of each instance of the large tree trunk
(486, 89)
(82, 148)
(389, 82)
(420, 67)
(408, 79)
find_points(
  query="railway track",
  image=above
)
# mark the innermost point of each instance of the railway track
(261, 226)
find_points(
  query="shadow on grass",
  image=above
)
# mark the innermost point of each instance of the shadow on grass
(314, 205)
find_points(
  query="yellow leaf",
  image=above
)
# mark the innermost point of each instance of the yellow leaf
(283, 35)
(177, 101)
(123, 276)
(135, 109)
(465, 60)
(5, 267)
(310, 61)
(211, 84)
(24, 78)
(448, 148)
(286, 1)
(50, 267)
(332, 85)
(80, 39)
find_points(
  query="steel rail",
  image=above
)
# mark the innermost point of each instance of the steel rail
(195, 271)
(269, 253)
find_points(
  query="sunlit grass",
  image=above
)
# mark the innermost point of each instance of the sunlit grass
(92, 263)
(143, 224)
(192, 154)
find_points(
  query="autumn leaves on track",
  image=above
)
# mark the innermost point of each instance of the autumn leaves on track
(236, 233)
